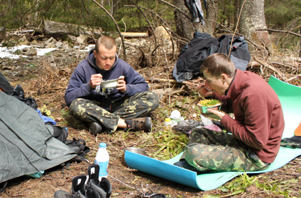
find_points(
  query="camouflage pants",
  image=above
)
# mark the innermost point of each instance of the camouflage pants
(219, 151)
(138, 105)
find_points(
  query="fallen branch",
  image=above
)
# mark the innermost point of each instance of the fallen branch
(160, 80)
(170, 93)
(270, 67)
(19, 32)
(134, 34)
(178, 91)
(292, 78)
(155, 86)
(281, 31)
(284, 65)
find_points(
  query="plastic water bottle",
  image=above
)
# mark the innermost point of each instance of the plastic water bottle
(167, 124)
(102, 159)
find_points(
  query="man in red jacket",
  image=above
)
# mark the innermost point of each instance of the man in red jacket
(253, 137)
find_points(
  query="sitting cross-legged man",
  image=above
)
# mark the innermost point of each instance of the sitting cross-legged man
(253, 137)
(125, 106)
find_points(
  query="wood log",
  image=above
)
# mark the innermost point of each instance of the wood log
(161, 80)
(24, 31)
(54, 27)
(155, 86)
(134, 34)
(163, 91)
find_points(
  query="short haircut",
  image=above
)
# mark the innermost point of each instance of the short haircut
(218, 63)
(106, 41)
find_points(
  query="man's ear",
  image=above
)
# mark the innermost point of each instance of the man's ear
(224, 77)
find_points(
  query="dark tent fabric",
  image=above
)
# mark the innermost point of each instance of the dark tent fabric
(5, 85)
(27, 144)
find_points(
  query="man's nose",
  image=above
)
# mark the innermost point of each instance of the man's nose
(206, 84)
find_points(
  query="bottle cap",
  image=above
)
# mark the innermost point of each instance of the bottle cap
(102, 144)
(167, 119)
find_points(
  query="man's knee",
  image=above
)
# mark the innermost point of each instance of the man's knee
(78, 106)
(75, 104)
(153, 99)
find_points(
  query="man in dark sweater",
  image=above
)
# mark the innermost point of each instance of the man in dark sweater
(253, 137)
(109, 108)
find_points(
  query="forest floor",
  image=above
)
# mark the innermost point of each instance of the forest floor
(47, 85)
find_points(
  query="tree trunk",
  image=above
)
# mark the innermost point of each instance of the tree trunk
(253, 18)
(186, 27)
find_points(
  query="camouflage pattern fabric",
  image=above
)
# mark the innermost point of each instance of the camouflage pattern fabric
(138, 105)
(220, 151)
(292, 142)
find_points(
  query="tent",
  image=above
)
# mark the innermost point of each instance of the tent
(27, 144)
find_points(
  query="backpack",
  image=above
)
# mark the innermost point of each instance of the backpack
(201, 46)
(239, 55)
(17, 92)
(193, 55)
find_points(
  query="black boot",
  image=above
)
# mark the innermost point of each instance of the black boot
(77, 190)
(138, 124)
(78, 186)
(96, 188)
(95, 128)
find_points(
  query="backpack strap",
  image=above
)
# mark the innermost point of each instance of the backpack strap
(79, 147)
(3, 186)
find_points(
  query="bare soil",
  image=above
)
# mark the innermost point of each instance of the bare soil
(47, 85)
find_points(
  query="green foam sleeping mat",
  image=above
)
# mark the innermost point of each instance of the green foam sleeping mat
(290, 98)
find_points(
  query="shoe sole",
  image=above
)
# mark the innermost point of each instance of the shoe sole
(93, 129)
(148, 125)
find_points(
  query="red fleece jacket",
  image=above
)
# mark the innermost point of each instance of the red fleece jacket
(259, 121)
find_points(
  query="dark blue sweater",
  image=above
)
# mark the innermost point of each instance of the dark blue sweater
(79, 87)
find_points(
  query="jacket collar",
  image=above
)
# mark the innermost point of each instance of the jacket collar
(236, 86)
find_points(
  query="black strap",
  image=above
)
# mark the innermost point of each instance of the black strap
(3, 186)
